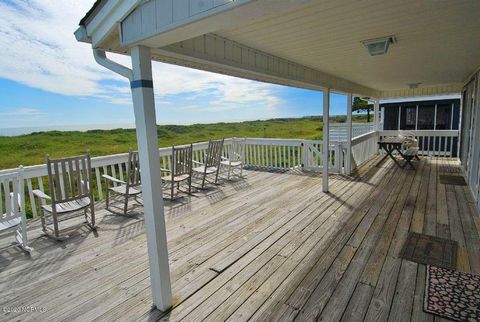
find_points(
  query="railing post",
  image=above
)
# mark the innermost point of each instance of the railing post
(376, 108)
(325, 159)
(304, 155)
(338, 157)
(348, 162)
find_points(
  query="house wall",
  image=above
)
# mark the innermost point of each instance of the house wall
(470, 135)
(392, 114)
(424, 115)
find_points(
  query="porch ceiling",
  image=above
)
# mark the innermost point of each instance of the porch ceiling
(437, 41)
(319, 42)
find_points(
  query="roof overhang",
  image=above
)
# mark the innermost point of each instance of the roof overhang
(307, 43)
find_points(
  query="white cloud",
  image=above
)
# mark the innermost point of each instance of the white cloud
(23, 112)
(40, 50)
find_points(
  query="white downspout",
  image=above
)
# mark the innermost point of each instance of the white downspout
(101, 59)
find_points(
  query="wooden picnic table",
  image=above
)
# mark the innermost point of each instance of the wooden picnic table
(391, 144)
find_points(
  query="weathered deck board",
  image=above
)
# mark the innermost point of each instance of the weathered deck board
(269, 247)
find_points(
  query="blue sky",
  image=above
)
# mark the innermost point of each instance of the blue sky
(49, 79)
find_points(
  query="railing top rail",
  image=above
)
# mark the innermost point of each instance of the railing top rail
(364, 137)
(100, 161)
(344, 124)
(422, 132)
(107, 160)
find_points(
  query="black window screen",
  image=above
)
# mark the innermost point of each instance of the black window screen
(426, 117)
(408, 117)
(390, 118)
(444, 117)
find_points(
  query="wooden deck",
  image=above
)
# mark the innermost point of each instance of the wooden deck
(269, 247)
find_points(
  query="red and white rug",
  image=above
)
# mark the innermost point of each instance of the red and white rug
(452, 294)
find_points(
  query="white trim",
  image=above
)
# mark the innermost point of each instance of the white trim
(348, 161)
(107, 18)
(416, 118)
(420, 98)
(376, 108)
(451, 117)
(325, 158)
(399, 116)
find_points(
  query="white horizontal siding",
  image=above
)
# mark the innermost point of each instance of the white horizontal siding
(218, 54)
(157, 16)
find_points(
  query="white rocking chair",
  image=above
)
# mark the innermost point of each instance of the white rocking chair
(211, 164)
(132, 187)
(181, 169)
(70, 184)
(236, 153)
(13, 189)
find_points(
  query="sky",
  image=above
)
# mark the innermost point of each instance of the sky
(47, 78)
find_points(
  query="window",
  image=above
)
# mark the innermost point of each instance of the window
(426, 117)
(390, 118)
(408, 117)
(444, 117)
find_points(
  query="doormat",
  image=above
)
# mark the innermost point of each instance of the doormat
(430, 250)
(452, 179)
(452, 294)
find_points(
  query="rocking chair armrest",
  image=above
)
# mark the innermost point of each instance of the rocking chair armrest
(110, 178)
(197, 162)
(41, 195)
(165, 170)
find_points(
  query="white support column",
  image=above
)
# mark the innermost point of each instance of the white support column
(145, 121)
(326, 138)
(376, 118)
(348, 160)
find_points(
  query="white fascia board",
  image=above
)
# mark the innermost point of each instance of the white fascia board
(217, 54)
(421, 98)
(446, 89)
(158, 23)
(108, 19)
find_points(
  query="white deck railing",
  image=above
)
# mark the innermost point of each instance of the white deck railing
(443, 143)
(259, 153)
(339, 131)
(291, 154)
(364, 147)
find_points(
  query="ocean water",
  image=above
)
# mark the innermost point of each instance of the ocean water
(15, 131)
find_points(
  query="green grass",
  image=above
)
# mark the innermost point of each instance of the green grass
(31, 149)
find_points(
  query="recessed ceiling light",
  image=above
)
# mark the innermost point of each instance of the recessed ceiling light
(378, 46)
(413, 85)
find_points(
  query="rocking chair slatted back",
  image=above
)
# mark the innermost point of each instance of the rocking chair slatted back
(181, 160)
(133, 169)
(69, 178)
(12, 187)
(12, 209)
(214, 153)
(237, 150)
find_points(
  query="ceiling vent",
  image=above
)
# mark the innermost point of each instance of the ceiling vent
(378, 46)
